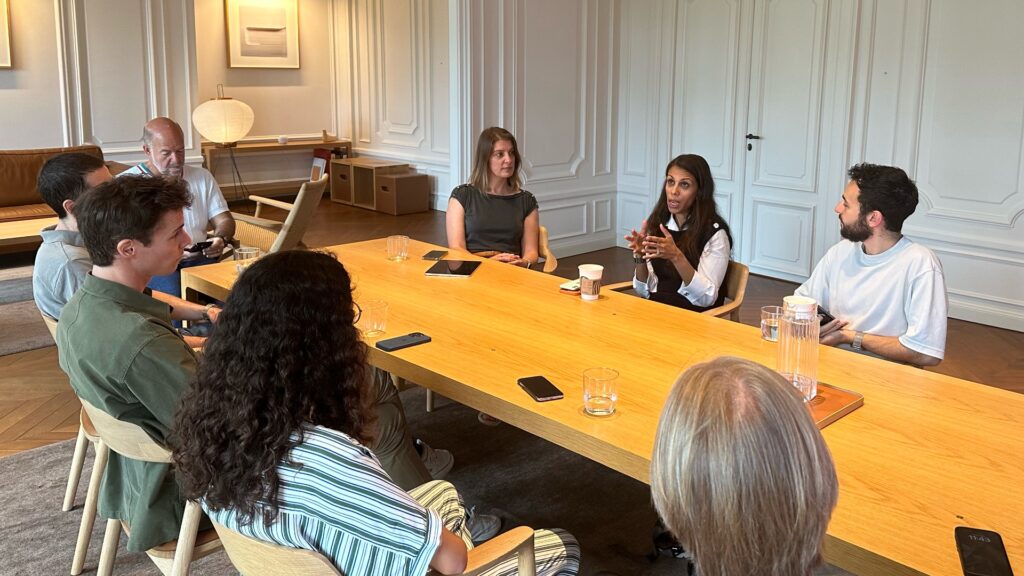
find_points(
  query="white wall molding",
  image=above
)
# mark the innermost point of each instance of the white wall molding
(107, 105)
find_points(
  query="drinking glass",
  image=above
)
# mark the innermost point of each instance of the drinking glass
(770, 322)
(600, 391)
(244, 256)
(375, 317)
(398, 248)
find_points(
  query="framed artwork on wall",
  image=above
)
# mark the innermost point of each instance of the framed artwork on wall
(5, 34)
(262, 33)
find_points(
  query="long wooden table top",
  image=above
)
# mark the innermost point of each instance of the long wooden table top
(23, 231)
(925, 453)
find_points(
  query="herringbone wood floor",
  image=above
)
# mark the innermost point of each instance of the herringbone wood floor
(37, 406)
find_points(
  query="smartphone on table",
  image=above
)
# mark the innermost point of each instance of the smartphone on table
(981, 552)
(540, 388)
(399, 342)
(435, 254)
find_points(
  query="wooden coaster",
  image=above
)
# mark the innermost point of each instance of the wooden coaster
(833, 403)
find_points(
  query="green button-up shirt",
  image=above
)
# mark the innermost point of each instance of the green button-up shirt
(123, 356)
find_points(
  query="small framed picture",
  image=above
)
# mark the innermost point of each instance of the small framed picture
(5, 34)
(262, 33)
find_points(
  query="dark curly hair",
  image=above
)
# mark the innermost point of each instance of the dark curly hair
(284, 353)
(887, 189)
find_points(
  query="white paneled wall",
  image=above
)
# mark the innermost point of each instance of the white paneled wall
(601, 94)
(396, 99)
(546, 72)
(940, 87)
(122, 64)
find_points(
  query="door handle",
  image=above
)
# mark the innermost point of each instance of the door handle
(753, 137)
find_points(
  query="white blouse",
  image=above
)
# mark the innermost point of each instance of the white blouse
(703, 287)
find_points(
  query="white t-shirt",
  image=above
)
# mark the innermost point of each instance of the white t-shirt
(207, 199)
(900, 292)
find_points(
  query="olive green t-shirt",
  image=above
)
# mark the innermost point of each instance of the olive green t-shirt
(494, 222)
(123, 356)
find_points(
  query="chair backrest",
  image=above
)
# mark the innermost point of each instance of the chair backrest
(550, 262)
(254, 557)
(128, 440)
(51, 325)
(301, 214)
(735, 285)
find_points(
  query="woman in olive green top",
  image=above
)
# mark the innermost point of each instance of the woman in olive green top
(491, 215)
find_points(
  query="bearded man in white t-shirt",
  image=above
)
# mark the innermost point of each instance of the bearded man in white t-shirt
(887, 293)
(163, 142)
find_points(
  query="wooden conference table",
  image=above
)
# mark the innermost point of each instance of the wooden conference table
(23, 231)
(925, 453)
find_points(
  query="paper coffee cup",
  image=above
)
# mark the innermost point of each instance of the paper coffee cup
(590, 281)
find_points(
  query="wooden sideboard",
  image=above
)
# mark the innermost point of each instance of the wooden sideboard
(212, 151)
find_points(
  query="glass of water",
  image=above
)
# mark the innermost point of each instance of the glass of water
(600, 391)
(770, 322)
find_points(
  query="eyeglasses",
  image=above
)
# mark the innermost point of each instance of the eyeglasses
(359, 312)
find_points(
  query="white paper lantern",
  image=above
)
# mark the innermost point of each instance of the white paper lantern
(223, 120)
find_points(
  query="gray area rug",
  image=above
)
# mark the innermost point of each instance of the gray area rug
(502, 470)
(21, 327)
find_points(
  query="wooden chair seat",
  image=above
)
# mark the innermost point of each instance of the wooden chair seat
(254, 557)
(734, 284)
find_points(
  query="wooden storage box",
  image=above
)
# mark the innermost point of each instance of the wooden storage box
(354, 180)
(402, 193)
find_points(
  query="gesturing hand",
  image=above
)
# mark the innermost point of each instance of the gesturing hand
(636, 239)
(661, 246)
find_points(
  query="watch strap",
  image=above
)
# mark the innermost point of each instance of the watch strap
(858, 341)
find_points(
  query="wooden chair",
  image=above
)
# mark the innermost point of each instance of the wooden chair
(253, 557)
(86, 435)
(131, 441)
(735, 286)
(550, 262)
(272, 236)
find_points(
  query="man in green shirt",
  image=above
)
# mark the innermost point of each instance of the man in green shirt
(118, 346)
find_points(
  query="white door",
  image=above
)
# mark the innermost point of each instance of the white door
(794, 160)
(761, 68)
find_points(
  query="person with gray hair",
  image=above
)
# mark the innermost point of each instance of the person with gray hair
(740, 473)
(163, 143)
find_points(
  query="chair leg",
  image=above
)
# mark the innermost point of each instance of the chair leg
(430, 400)
(89, 510)
(186, 539)
(111, 539)
(81, 445)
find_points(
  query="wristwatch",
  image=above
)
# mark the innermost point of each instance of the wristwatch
(637, 259)
(206, 312)
(858, 340)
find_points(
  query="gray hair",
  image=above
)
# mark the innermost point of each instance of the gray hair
(740, 473)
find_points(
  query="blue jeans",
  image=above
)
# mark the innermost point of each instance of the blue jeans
(171, 283)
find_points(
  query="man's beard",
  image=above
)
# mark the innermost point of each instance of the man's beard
(859, 231)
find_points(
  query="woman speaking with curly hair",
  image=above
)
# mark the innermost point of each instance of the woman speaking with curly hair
(272, 436)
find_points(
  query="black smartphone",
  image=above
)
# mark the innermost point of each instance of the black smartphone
(435, 254)
(825, 316)
(981, 552)
(540, 388)
(399, 342)
(199, 246)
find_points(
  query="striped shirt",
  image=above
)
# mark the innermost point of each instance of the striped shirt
(336, 499)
